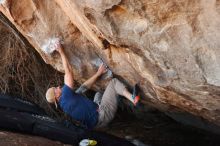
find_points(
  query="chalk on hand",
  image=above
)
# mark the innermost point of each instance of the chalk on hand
(97, 62)
(51, 45)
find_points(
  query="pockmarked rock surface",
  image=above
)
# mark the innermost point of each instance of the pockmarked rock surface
(172, 48)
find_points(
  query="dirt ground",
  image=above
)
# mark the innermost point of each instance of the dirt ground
(17, 139)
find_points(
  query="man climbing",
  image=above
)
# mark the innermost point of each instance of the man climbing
(92, 114)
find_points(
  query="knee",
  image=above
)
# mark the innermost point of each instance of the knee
(114, 80)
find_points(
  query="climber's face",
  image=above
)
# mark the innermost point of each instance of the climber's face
(57, 91)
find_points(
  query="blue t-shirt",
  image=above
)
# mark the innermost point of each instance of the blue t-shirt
(80, 108)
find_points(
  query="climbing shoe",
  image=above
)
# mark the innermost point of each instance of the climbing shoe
(135, 94)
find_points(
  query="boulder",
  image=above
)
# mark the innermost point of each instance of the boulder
(170, 47)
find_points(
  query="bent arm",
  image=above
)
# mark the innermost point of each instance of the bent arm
(68, 77)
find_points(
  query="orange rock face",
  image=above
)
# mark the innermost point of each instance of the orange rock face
(170, 47)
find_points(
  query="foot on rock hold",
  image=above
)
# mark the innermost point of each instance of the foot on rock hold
(135, 94)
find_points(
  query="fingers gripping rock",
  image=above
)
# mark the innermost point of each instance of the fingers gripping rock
(50, 45)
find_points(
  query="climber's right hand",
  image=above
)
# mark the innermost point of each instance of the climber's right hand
(102, 69)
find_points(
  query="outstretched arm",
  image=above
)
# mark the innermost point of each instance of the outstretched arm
(68, 77)
(102, 69)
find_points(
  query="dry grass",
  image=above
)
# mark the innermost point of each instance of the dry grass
(23, 73)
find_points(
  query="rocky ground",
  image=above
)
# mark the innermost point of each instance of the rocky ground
(156, 129)
(17, 139)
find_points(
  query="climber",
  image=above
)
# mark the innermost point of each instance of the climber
(91, 114)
